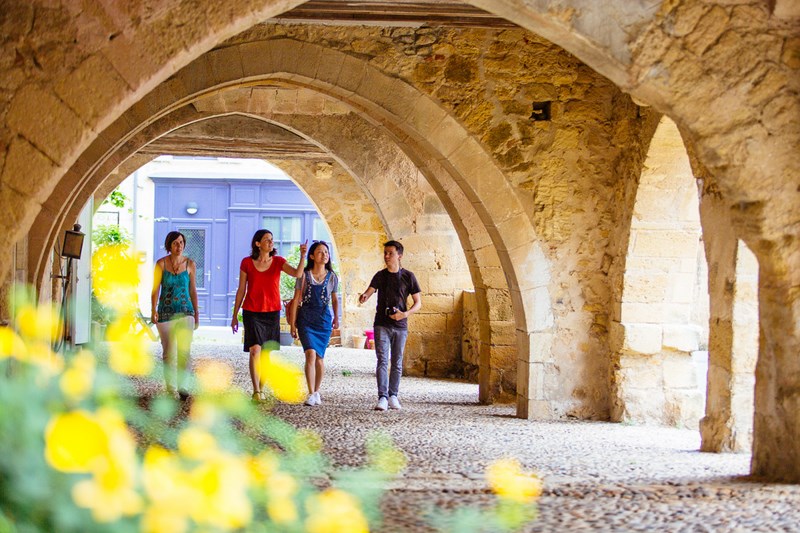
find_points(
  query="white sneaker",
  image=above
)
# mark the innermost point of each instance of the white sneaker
(394, 403)
(311, 400)
(382, 405)
(317, 398)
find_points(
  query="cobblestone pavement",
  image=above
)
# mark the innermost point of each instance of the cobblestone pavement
(597, 476)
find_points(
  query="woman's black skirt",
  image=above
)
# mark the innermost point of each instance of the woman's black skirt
(261, 328)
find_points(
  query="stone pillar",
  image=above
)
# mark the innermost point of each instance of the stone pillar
(733, 333)
(776, 425)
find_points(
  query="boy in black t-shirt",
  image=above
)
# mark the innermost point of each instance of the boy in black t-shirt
(394, 285)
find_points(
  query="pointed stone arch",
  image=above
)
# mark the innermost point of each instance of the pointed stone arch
(663, 316)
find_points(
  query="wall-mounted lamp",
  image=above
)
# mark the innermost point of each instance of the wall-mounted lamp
(73, 243)
(191, 208)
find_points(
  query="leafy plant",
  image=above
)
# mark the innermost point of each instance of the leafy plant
(287, 281)
(109, 235)
(81, 452)
(116, 198)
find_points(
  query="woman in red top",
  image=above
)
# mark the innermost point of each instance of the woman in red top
(259, 289)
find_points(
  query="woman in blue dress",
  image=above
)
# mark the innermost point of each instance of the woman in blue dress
(174, 311)
(314, 314)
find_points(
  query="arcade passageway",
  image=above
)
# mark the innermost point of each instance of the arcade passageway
(597, 475)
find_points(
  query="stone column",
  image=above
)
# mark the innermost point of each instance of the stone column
(776, 425)
(733, 333)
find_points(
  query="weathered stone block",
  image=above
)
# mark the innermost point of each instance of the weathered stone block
(645, 288)
(679, 372)
(636, 338)
(46, 123)
(666, 243)
(681, 337)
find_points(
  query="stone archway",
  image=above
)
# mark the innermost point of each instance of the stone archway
(663, 310)
(724, 73)
(466, 154)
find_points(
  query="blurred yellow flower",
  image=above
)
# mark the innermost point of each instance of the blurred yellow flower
(508, 481)
(214, 376)
(11, 345)
(262, 467)
(76, 382)
(204, 412)
(74, 441)
(284, 378)
(111, 492)
(115, 277)
(222, 483)
(196, 443)
(281, 485)
(169, 488)
(282, 510)
(99, 443)
(129, 350)
(39, 322)
(40, 353)
(163, 518)
(333, 511)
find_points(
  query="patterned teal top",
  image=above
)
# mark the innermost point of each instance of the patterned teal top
(174, 300)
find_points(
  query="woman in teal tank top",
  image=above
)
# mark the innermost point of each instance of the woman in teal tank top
(174, 311)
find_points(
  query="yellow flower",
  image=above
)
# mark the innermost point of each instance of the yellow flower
(281, 485)
(40, 353)
(284, 378)
(74, 441)
(204, 412)
(11, 345)
(170, 489)
(41, 323)
(129, 351)
(115, 277)
(262, 467)
(282, 510)
(222, 483)
(196, 443)
(77, 380)
(333, 511)
(99, 443)
(508, 481)
(214, 376)
(110, 493)
(163, 518)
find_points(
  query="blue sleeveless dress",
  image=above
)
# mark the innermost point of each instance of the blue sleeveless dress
(174, 301)
(315, 316)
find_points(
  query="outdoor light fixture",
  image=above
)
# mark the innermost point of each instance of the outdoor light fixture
(71, 249)
(73, 243)
(191, 208)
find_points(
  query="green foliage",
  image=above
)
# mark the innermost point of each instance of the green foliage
(100, 313)
(35, 496)
(116, 198)
(110, 234)
(287, 281)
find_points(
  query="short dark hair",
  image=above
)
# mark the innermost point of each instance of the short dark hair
(172, 236)
(397, 246)
(257, 236)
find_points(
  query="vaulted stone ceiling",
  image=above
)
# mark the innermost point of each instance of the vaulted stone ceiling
(394, 13)
(236, 136)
